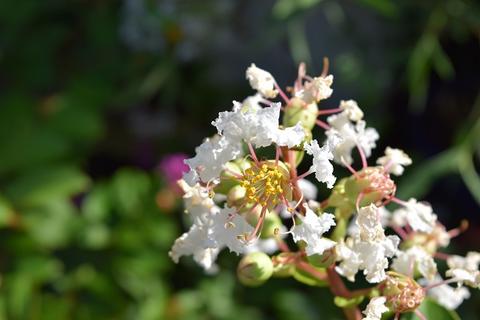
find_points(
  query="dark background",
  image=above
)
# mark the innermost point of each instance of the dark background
(95, 93)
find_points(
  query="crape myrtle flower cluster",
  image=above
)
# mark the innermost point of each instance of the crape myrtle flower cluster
(262, 208)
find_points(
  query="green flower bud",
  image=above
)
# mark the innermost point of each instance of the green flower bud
(271, 225)
(323, 260)
(297, 111)
(235, 196)
(373, 182)
(228, 177)
(255, 269)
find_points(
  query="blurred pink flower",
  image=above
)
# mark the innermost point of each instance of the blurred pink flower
(172, 168)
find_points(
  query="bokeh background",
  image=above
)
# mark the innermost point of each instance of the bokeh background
(97, 95)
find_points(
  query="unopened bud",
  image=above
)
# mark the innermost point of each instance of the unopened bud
(254, 269)
(271, 225)
(373, 182)
(298, 111)
(235, 196)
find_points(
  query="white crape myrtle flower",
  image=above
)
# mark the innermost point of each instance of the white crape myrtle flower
(311, 231)
(212, 155)
(195, 242)
(257, 126)
(419, 215)
(416, 256)
(198, 240)
(321, 162)
(375, 308)
(196, 200)
(231, 232)
(368, 250)
(315, 90)
(394, 161)
(384, 215)
(447, 296)
(262, 81)
(465, 269)
(345, 136)
(351, 109)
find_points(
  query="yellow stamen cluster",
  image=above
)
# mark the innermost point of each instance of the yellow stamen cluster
(264, 185)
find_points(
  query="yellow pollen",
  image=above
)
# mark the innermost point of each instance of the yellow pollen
(263, 185)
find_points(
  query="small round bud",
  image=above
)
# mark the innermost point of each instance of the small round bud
(271, 225)
(324, 260)
(298, 111)
(254, 269)
(235, 196)
(373, 182)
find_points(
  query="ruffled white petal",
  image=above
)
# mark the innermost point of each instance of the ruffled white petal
(311, 231)
(262, 81)
(321, 164)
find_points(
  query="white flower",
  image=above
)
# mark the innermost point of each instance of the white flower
(311, 230)
(198, 241)
(352, 110)
(368, 250)
(345, 136)
(309, 190)
(420, 216)
(446, 295)
(231, 229)
(369, 224)
(262, 81)
(465, 270)
(415, 257)
(321, 162)
(394, 161)
(375, 308)
(316, 90)
(194, 243)
(384, 215)
(257, 126)
(212, 155)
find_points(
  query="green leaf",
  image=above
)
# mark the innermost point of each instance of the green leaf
(6, 212)
(40, 186)
(130, 189)
(52, 225)
(385, 7)
(432, 310)
(285, 8)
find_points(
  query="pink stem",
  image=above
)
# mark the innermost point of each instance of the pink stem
(362, 156)
(259, 225)
(329, 111)
(277, 155)
(439, 284)
(252, 153)
(420, 315)
(322, 124)
(349, 167)
(400, 232)
(303, 175)
(282, 94)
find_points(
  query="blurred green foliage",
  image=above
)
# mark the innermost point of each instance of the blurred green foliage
(82, 236)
